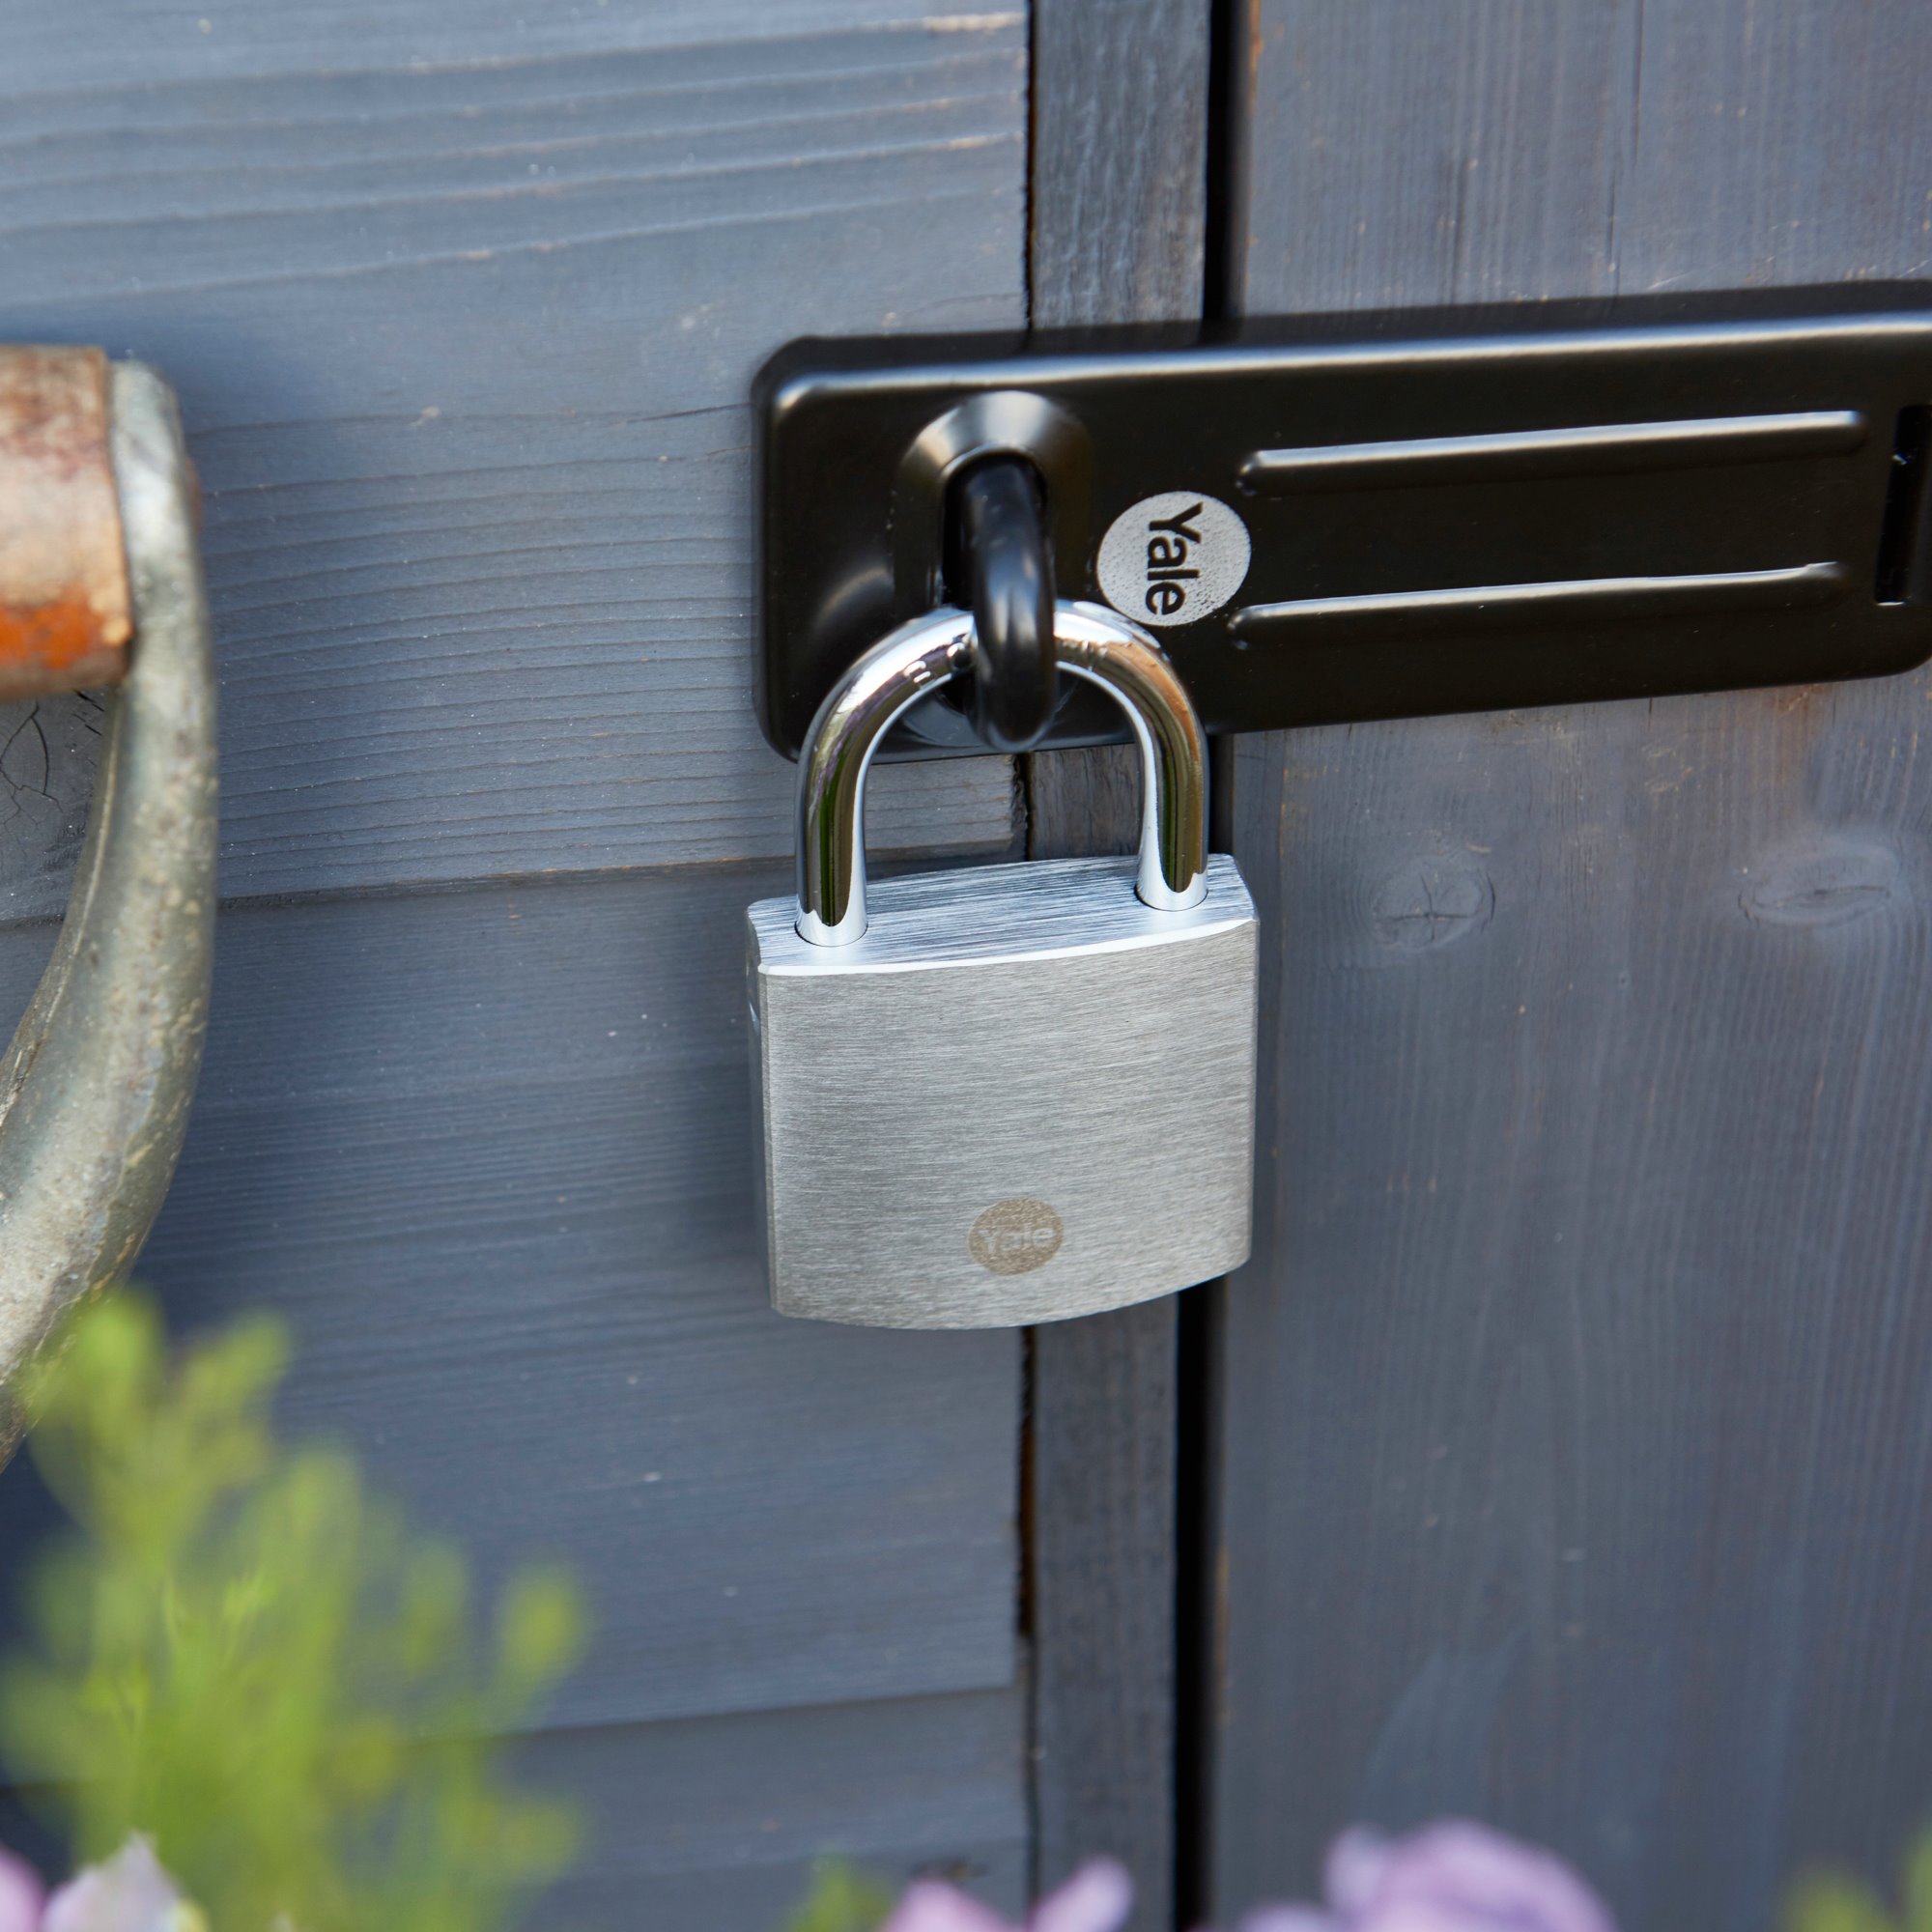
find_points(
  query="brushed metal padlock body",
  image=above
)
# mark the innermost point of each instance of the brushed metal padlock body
(1021, 1096)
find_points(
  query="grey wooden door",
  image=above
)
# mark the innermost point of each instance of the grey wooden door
(1558, 1458)
(1573, 1421)
(463, 299)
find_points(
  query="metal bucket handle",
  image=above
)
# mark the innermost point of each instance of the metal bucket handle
(95, 1087)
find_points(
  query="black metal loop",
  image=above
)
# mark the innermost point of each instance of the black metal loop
(1006, 575)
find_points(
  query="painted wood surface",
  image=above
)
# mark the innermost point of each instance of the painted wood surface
(1119, 212)
(716, 1823)
(463, 303)
(489, 1153)
(463, 299)
(1575, 1416)
(1119, 161)
(716, 1826)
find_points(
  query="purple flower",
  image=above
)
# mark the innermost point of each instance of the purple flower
(129, 1893)
(20, 1896)
(1450, 1877)
(1096, 1898)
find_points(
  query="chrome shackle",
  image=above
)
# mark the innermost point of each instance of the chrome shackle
(1089, 643)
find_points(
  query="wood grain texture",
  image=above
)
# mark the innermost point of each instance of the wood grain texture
(1120, 161)
(464, 299)
(1118, 219)
(489, 1152)
(1394, 154)
(462, 309)
(715, 1824)
(1103, 1413)
(1573, 1415)
(1103, 1594)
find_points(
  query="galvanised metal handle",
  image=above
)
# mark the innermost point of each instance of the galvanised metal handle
(96, 1087)
(1089, 643)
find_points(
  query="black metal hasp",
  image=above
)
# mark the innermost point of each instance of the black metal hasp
(1374, 517)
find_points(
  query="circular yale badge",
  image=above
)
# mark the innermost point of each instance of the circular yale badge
(1016, 1236)
(1173, 558)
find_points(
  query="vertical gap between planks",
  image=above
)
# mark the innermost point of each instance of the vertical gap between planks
(1197, 1532)
(1197, 1537)
(1222, 161)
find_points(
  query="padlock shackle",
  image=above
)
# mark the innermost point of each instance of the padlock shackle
(1089, 643)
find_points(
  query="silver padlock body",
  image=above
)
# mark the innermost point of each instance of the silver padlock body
(1021, 1096)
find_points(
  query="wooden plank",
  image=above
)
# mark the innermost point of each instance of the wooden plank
(1120, 163)
(1573, 1415)
(489, 1152)
(464, 309)
(1118, 219)
(1449, 153)
(716, 1822)
(1103, 1400)
(1103, 1411)
(1775, 145)
(125, 43)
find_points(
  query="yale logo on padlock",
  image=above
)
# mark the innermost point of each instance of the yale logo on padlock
(1009, 1093)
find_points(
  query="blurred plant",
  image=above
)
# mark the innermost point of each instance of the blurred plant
(1834, 1903)
(842, 1899)
(244, 1656)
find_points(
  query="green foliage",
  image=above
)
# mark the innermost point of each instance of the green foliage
(1831, 1902)
(842, 1899)
(241, 1652)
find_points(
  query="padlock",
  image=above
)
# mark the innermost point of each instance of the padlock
(1005, 1093)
